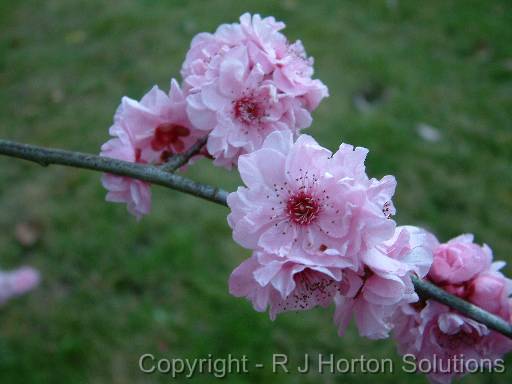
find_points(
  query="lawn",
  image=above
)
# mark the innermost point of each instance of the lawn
(114, 289)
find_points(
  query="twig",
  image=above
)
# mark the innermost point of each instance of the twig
(428, 290)
(179, 160)
(156, 175)
(149, 173)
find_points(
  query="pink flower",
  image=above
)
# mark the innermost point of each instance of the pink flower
(296, 283)
(432, 331)
(157, 126)
(149, 131)
(136, 194)
(17, 282)
(452, 342)
(245, 81)
(260, 36)
(374, 294)
(241, 109)
(293, 74)
(491, 290)
(459, 260)
(299, 194)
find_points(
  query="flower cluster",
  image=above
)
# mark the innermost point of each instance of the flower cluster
(246, 80)
(430, 330)
(240, 84)
(322, 232)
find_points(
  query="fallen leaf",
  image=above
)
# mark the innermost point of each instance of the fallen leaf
(27, 234)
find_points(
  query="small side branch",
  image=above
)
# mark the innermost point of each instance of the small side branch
(157, 175)
(179, 160)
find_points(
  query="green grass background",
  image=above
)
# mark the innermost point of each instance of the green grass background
(114, 288)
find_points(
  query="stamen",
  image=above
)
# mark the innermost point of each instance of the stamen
(386, 209)
(302, 208)
(248, 110)
(168, 137)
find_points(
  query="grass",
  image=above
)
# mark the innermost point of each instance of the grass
(114, 289)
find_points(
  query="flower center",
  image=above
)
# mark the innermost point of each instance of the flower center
(168, 137)
(302, 208)
(247, 110)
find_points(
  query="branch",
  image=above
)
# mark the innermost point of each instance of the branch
(179, 160)
(156, 175)
(149, 173)
(428, 290)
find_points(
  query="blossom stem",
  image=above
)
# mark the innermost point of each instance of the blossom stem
(179, 160)
(165, 177)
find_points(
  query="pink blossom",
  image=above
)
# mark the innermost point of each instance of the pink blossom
(260, 36)
(245, 81)
(293, 73)
(136, 194)
(148, 132)
(491, 290)
(157, 125)
(374, 294)
(299, 194)
(241, 109)
(432, 331)
(447, 339)
(17, 282)
(296, 283)
(459, 260)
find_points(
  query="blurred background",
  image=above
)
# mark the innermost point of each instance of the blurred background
(427, 86)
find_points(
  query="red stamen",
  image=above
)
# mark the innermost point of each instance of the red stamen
(168, 137)
(247, 110)
(302, 208)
